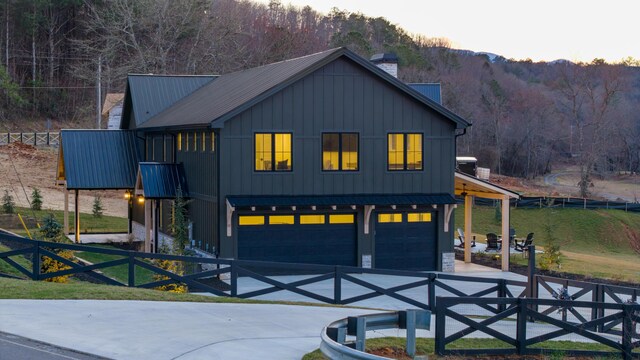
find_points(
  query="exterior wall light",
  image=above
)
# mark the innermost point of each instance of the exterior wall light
(127, 195)
(140, 199)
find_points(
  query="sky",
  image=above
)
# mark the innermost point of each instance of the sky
(540, 30)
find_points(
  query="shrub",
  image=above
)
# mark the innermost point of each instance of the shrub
(36, 199)
(8, 206)
(551, 257)
(51, 230)
(97, 207)
(171, 266)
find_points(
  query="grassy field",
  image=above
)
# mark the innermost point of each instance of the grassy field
(120, 272)
(395, 347)
(7, 269)
(597, 243)
(88, 222)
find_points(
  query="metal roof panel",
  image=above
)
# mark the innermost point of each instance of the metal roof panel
(161, 180)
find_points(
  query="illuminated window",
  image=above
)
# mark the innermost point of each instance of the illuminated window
(179, 142)
(250, 220)
(312, 219)
(213, 141)
(390, 218)
(195, 141)
(340, 152)
(404, 152)
(419, 217)
(342, 219)
(273, 152)
(186, 141)
(204, 141)
(281, 219)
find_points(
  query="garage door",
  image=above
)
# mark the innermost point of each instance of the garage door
(328, 239)
(405, 241)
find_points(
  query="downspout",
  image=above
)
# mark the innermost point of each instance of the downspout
(217, 158)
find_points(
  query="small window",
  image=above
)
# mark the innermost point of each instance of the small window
(340, 152)
(273, 152)
(342, 219)
(186, 141)
(419, 217)
(179, 142)
(281, 219)
(204, 142)
(195, 141)
(250, 220)
(213, 141)
(312, 219)
(404, 152)
(390, 218)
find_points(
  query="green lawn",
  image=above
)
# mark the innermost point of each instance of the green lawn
(597, 243)
(88, 223)
(7, 269)
(120, 272)
(427, 347)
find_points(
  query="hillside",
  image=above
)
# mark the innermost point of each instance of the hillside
(526, 116)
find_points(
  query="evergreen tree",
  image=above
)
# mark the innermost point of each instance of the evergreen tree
(97, 207)
(180, 223)
(8, 206)
(36, 199)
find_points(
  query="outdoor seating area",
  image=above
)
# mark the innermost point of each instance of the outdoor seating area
(493, 243)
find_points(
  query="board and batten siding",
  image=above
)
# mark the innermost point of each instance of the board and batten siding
(340, 97)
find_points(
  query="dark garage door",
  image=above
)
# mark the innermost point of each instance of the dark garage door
(311, 239)
(405, 241)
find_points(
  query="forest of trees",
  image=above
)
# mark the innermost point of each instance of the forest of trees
(525, 115)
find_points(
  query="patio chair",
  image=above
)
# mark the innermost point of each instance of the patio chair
(492, 242)
(524, 245)
(461, 238)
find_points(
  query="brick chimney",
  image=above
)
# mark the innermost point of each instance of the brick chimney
(387, 62)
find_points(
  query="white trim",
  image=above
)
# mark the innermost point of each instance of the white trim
(230, 210)
(448, 210)
(367, 216)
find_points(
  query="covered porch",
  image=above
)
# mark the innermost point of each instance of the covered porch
(468, 187)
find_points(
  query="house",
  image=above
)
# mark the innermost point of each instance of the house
(322, 159)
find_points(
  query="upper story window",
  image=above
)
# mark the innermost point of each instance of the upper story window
(273, 152)
(340, 152)
(404, 151)
(179, 142)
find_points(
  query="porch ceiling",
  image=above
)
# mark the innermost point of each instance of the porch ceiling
(480, 188)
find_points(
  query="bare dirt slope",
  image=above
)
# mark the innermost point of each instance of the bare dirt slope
(36, 167)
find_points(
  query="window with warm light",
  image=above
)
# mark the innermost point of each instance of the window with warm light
(341, 219)
(340, 152)
(272, 152)
(312, 219)
(179, 142)
(213, 141)
(281, 219)
(419, 217)
(250, 220)
(404, 152)
(204, 142)
(390, 218)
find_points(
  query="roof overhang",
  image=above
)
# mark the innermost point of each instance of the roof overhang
(471, 185)
(161, 181)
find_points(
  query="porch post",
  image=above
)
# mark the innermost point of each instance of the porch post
(66, 211)
(468, 236)
(77, 210)
(505, 233)
(147, 225)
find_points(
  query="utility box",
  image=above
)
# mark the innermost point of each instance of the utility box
(467, 165)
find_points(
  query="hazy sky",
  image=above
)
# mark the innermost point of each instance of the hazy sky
(540, 30)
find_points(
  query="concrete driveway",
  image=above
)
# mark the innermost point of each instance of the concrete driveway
(170, 330)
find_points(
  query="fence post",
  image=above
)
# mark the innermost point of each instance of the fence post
(627, 332)
(532, 281)
(521, 326)
(585, 203)
(35, 139)
(234, 279)
(432, 291)
(357, 326)
(502, 293)
(36, 261)
(337, 285)
(440, 326)
(48, 138)
(132, 271)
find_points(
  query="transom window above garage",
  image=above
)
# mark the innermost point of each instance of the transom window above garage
(404, 152)
(273, 152)
(340, 152)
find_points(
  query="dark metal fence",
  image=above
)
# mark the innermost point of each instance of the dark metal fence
(31, 138)
(525, 330)
(233, 270)
(525, 202)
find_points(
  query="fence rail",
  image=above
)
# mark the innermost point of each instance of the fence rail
(31, 138)
(526, 202)
(337, 276)
(525, 330)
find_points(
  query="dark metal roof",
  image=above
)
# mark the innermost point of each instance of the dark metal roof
(218, 101)
(430, 90)
(161, 180)
(149, 95)
(100, 159)
(341, 200)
